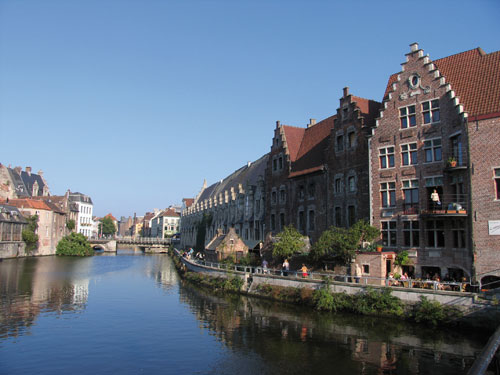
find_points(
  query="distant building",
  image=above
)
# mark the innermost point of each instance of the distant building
(147, 223)
(12, 223)
(85, 208)
(51, 222)
(16, 183)
(124, 226)
(165, 223)
(237, 201)
(223, 246)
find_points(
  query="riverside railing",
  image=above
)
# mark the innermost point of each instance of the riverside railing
(328, 276)
(144, 240)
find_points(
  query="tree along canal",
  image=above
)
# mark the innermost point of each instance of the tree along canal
(130, 313)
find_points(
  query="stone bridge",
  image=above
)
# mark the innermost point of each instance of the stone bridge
(107, 245)
(146, 244)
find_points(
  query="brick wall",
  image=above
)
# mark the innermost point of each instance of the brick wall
(427, 85)
(485, 157)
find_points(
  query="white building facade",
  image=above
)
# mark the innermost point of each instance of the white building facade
(85, 223)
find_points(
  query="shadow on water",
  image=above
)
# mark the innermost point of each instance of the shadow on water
(292, 339)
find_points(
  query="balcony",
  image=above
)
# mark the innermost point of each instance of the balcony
(452, 205)
(455, 167)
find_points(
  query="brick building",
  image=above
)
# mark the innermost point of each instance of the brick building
(51, 222)
(436, 134)
(236, 201)
(348, 160)
(222, 246)
(318, 176)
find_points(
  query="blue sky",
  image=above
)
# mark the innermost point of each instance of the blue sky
(136, 102)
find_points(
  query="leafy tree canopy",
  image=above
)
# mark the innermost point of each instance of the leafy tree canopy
(403, 259)
(340, 244)
(107, 227)
(29, 234)
(365, 231)
(290, 242)
(70, 224)
(74, 244)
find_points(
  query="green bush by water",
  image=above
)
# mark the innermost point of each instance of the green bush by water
(74, 244)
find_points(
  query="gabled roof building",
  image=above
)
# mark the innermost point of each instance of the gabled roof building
(236, 201)
(435, 161)
(318, 176)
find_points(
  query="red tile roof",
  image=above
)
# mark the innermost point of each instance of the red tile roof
(170, 212)
(111, 217)
(311, 154)
(29, 203)
(475, 78)
(293, 138)
(188, 201)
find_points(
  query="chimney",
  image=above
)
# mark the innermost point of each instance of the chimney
(278, 124)
(346, 91)
(312, 122)
(414, 47)
(40, 173)
(28, 171)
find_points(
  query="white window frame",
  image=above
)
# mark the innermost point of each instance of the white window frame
(386, 155)
(407, 115)
(433, 149)
(386, 188)
(431, 110)
(409, 151)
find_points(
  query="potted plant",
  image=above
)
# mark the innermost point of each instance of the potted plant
(452, 162)
(379, 248)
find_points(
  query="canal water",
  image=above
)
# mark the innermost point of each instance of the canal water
(130, 313)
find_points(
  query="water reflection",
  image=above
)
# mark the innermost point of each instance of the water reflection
(155, 323)
(162, 270)
(295, 340)
(30, 286)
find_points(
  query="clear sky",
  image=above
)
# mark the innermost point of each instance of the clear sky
(136, 102)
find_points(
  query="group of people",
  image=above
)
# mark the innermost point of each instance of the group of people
(190, 255)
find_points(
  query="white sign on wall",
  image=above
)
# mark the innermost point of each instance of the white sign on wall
(494, 227)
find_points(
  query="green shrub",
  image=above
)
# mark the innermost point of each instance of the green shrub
(373, 302)
(29, 235)
(31, 241)
(324, 300)
(433, 313)
(70, 224)
(74, 244)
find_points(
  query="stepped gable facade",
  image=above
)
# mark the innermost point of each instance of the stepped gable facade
(305, 164)
(348, 198)
(438, 132)
(236, 201)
